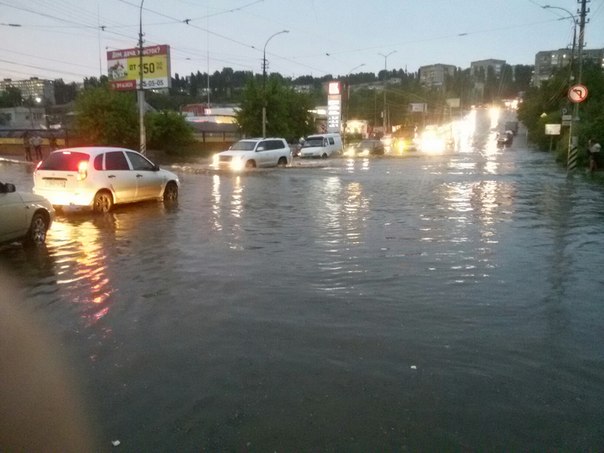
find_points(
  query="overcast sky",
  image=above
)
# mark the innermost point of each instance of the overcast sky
(69, 39)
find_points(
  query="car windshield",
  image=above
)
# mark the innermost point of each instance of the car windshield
(64, 161)
(313, 141)
(243, 146)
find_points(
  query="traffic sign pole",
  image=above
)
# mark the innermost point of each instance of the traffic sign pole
(577, 94)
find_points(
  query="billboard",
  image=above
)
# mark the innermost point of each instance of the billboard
(123, 68)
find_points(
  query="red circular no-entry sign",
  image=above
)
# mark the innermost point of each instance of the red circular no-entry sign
(577, 93)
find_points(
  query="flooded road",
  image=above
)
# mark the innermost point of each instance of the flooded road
(426, 303)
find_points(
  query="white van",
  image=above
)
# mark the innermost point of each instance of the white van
(321, 145)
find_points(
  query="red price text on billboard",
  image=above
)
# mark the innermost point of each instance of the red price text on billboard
(123, 67)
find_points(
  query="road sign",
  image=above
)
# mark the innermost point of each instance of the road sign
(577, 93)
(567, 120)
(552, 129)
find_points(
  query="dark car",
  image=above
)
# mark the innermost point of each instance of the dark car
(368, 147)
(505, 139)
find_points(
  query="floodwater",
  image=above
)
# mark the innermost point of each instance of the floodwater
(433, 302)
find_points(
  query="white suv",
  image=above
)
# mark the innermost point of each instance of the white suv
(254, 152)
(99, 177)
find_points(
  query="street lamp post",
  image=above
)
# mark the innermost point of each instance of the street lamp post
(141, 90)
(574, 45)
(385, 69)
(264, 81)
(348, 94)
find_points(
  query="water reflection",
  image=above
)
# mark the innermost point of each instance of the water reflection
(81, 257)
(227, 199)
(359, 163)
(471, 274)
(81, 245)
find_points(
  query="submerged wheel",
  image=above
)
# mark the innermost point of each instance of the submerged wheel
(250, 164)
(37, 230)
(103, 202)
(282, 162)
(171, 192)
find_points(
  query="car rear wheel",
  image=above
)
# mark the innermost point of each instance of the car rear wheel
(171, 192)
(103, 202)
(282, 162)
(37, 230)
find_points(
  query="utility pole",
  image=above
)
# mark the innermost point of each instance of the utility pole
(264, 81)
(574, 140)
(348, 96)
(141, 89)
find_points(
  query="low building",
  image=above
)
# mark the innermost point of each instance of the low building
(481, 67)
(434, 76)
(22, 118)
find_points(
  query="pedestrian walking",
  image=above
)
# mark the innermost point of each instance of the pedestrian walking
(27, 146)
(593, 149)
(36, 143)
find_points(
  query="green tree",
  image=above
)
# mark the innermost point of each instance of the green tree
(12, 97)
(287, 112)
(107, 117)
(168, 131)
(65, 93)
(592, 110)
(545, 104)
(541, 106)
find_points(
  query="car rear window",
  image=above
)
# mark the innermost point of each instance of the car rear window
(63, 161)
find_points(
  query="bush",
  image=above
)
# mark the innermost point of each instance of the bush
(169, 132)
(106, 117)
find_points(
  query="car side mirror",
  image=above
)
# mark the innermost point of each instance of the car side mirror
(155, 167)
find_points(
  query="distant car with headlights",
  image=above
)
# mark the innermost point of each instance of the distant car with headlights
(101, 177)
(403, 145)
(366, 147)
(24, 217)
(254, 152)
(505, 139)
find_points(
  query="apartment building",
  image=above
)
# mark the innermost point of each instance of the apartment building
(39, 90)
(549, 61)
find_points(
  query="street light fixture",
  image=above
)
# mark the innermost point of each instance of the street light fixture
(385, 70)
(264, 81)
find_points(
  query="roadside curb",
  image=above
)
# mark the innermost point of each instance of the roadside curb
(12, 160)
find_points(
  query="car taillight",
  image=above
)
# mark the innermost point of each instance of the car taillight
(82, 170)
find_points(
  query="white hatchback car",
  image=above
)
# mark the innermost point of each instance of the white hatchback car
(100, 177)
(254, 152)
(24, 217)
